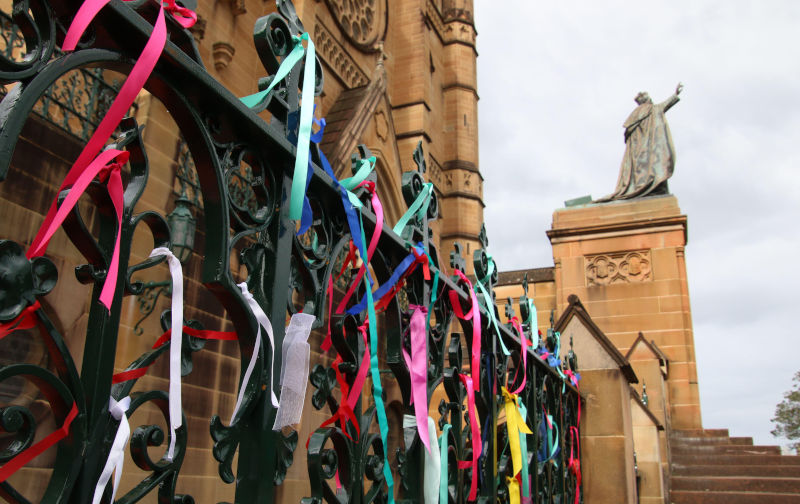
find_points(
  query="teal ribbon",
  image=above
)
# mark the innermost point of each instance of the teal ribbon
(533, 324)
(286, 66)
(490, 309)
(364, 169)
(306, 115)
(377, 389)
(433, 295)
(488, 304)
(418, 208)
(526, 486)
(443, 458)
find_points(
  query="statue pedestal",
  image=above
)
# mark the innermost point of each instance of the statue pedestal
(625, 261)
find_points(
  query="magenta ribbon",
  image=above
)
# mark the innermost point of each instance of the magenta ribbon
(103, 167)
(373, 244)
(524, 340)
(476, 436)
(418, 366)
(90, 159)
(474, 315)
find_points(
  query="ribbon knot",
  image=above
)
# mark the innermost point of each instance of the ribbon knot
(117, 409)
(184, 16)
(116, 456)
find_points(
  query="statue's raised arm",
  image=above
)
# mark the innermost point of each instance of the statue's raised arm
(649, 158)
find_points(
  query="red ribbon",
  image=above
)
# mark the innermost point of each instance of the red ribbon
(575, 461)
(22, 458)
(326, 344)
(25, 320)
(132, 374)
(350, 394)
(474, 315)
(349, 259)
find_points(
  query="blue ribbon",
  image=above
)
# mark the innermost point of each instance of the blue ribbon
(389, 284)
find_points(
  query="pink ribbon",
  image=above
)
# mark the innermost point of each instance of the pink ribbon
(417, 364)
(524, 340)
(102, 167)
(90, 157)
(474, 315)
(373, 244)
(476, 436)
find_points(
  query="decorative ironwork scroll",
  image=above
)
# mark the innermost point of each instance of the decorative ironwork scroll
(241, 170)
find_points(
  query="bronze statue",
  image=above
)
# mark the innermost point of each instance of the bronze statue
(649, 154)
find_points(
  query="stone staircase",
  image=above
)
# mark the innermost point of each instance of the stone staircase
(710, 467)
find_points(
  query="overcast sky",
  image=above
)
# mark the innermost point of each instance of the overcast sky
(556, 81)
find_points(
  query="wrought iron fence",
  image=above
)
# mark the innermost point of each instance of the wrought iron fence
(75, 103)
(243, 167)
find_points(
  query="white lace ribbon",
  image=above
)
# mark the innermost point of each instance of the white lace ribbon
(176, 339)
(263, 321)
(116, 456)
(433, 463)
(294, 370)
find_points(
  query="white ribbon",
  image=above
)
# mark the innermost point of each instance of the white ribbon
(117, 454)
(433, 467)
(176, 338)
(294, 370)
(263, 321)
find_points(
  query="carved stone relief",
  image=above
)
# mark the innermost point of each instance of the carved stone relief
(337, 58)
(381, 125)
(621, 267)
(454, 26)
(362, 21)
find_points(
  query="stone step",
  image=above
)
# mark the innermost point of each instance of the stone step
(692, 433)
(747, 460)
(692, 497)
(724, 449)
(752, 471)
(707, 440)
(737, 484)
(742, 441)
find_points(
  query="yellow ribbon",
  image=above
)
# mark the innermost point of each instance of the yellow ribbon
(515, 425)
(513, 490)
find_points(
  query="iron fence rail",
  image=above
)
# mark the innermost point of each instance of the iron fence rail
(286, 273)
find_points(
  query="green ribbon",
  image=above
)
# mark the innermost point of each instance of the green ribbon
(377, 389)
(526, 486)
(433, 295)
(533, 324)
(306, 115)
(443, 451)
(364, 169)
(490, 309)
(418, 208)
(283, 70)
(488, 304)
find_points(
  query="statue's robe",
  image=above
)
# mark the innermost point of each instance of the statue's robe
(649, 153)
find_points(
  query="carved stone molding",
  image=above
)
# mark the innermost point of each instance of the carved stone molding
(456, 26)
(222, 52)
(381, 125)
(621, 267)
(198, 31)
(435, 172)
(463, 182)
(337, 58)
(363, 22)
